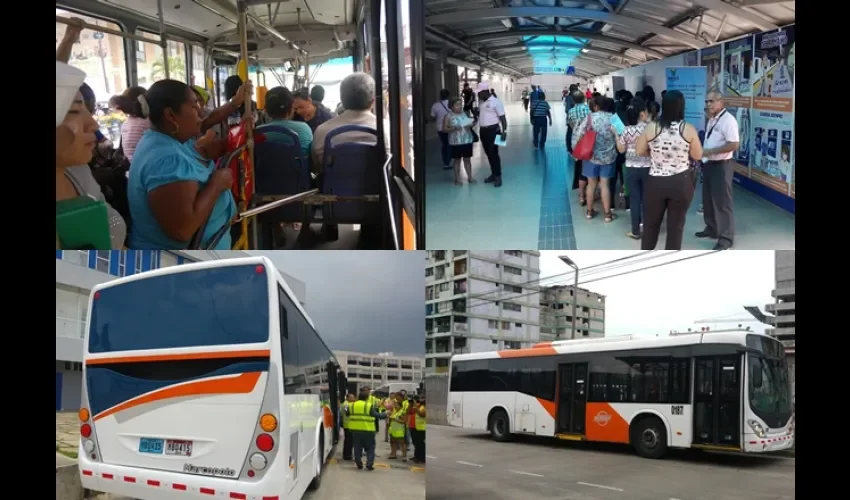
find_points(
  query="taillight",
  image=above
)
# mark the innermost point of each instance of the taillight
(268, 422)
(265, 442)
(85, 430)
(84, 415)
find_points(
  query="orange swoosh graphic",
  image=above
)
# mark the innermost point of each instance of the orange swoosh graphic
(264, 353)
(242, 384)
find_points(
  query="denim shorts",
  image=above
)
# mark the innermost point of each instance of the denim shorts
(591, 170)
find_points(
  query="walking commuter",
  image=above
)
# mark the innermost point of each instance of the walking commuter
(576, 116)
(541, 120)
(670, 143)
(348, 442)
(721, 142)
(468, 98)
(525, 99)
(363, 419)
(491, 117)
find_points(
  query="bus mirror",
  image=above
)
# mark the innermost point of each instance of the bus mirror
(757, 381)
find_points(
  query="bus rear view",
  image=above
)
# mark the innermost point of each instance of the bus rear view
(183, 385)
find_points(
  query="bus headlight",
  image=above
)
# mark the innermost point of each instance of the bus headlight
(757, 428)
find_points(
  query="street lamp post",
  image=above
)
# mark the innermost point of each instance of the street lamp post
(573, 265)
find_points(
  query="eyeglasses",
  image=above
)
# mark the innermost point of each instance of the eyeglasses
(710, 101)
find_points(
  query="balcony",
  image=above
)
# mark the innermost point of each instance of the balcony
(461, 328)
(784, 293)
(786, 320)
(782, 306)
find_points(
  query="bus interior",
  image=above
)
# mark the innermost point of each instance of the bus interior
(298, 44)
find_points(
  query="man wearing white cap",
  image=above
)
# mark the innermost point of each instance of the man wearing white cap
(491, 114)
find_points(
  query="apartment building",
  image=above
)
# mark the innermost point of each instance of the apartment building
(77, 272)
(478, 301)
(783, 321)
(374, 370)
(556, 309)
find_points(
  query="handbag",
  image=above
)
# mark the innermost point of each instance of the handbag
(584, 147)
(474, 136)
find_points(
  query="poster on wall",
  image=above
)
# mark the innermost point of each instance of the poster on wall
(773, 110)
(691, 82)
(711, 59)
(692, 58)
(738, 91)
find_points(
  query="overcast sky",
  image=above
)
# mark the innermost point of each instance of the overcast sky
(673, 296)
(364, 301)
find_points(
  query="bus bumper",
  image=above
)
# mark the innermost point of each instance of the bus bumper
(756, 444)
(145, 484)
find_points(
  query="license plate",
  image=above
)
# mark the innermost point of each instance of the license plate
(151, 445)
(179, 448)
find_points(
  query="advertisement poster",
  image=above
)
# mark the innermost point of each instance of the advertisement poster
(711, 59)
(692, 58)
(772, 114)
(737, 65)
(690, 81)
(742, 156)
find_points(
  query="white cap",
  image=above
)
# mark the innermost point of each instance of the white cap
(68, 81)
(483, 86)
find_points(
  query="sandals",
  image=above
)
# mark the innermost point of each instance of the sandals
(589, 214)
(582, 202)
(610, 216)
(633, 235)
(458, 183)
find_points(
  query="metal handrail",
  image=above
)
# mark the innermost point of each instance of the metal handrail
(386, 170)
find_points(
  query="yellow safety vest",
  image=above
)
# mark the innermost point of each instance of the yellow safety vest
(405, 405)
(397, 428)
(361, 418)
(420, 421)
(345, 416)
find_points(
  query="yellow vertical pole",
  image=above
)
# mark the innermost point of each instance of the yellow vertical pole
(242, 9)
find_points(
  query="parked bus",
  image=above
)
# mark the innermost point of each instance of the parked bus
(393, 387)
(724, 391)
(128, 43)
(199, 381)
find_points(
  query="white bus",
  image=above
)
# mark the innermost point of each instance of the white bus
(393, 387)
(725, 391)
(196, 386)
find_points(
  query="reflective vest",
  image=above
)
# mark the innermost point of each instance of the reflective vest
(361, 418)
(397, 428)
(405, 405)
(345, 416)
(420, 421)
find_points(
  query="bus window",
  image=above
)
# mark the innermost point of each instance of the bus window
(406, 83)
(198, 76)
(329, 75)
(149, 62)
(385, 64)
(101, 56)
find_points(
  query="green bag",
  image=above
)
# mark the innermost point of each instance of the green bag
(82, 223)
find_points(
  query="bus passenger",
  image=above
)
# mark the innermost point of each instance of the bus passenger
(281, 111)
(173, 186)
(136, 125)
(308, 111)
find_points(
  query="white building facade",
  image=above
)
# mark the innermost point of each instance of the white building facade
(478, 301)
(374, 370)
(77, 272)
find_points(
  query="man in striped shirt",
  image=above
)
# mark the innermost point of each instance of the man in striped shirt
(541, 119)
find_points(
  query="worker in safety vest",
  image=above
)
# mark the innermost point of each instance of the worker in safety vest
(348, 442)
(363, 418)
(419, 431)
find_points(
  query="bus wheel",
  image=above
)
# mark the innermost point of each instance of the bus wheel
(649, 438)
(320, 459)
(499, 426)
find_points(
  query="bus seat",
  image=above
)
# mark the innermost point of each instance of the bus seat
(352, 169)
(280, 169)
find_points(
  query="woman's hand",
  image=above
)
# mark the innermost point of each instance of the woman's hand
(244, 92)
(73, 29)
(222, 178)
(210, 146)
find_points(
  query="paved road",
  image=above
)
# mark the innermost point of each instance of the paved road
(342, 481)
(473, 467)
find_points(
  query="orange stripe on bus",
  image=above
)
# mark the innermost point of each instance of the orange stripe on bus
(603, 423)
(549, 406)
(541, 344)
(263, 353)
(242, 384)
(527, 353)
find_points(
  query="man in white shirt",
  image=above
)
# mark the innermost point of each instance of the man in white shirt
(721, 142)
(491, 115)
(439, 110)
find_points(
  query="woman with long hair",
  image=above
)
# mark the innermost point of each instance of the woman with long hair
(671, 144)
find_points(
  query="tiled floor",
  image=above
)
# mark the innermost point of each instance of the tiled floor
(535, 208)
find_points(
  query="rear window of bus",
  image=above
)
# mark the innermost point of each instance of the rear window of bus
(206, 307)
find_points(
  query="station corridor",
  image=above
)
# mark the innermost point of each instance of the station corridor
(536, 209)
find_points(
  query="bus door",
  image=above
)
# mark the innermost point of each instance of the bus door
(717, 401)
(572, 398)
